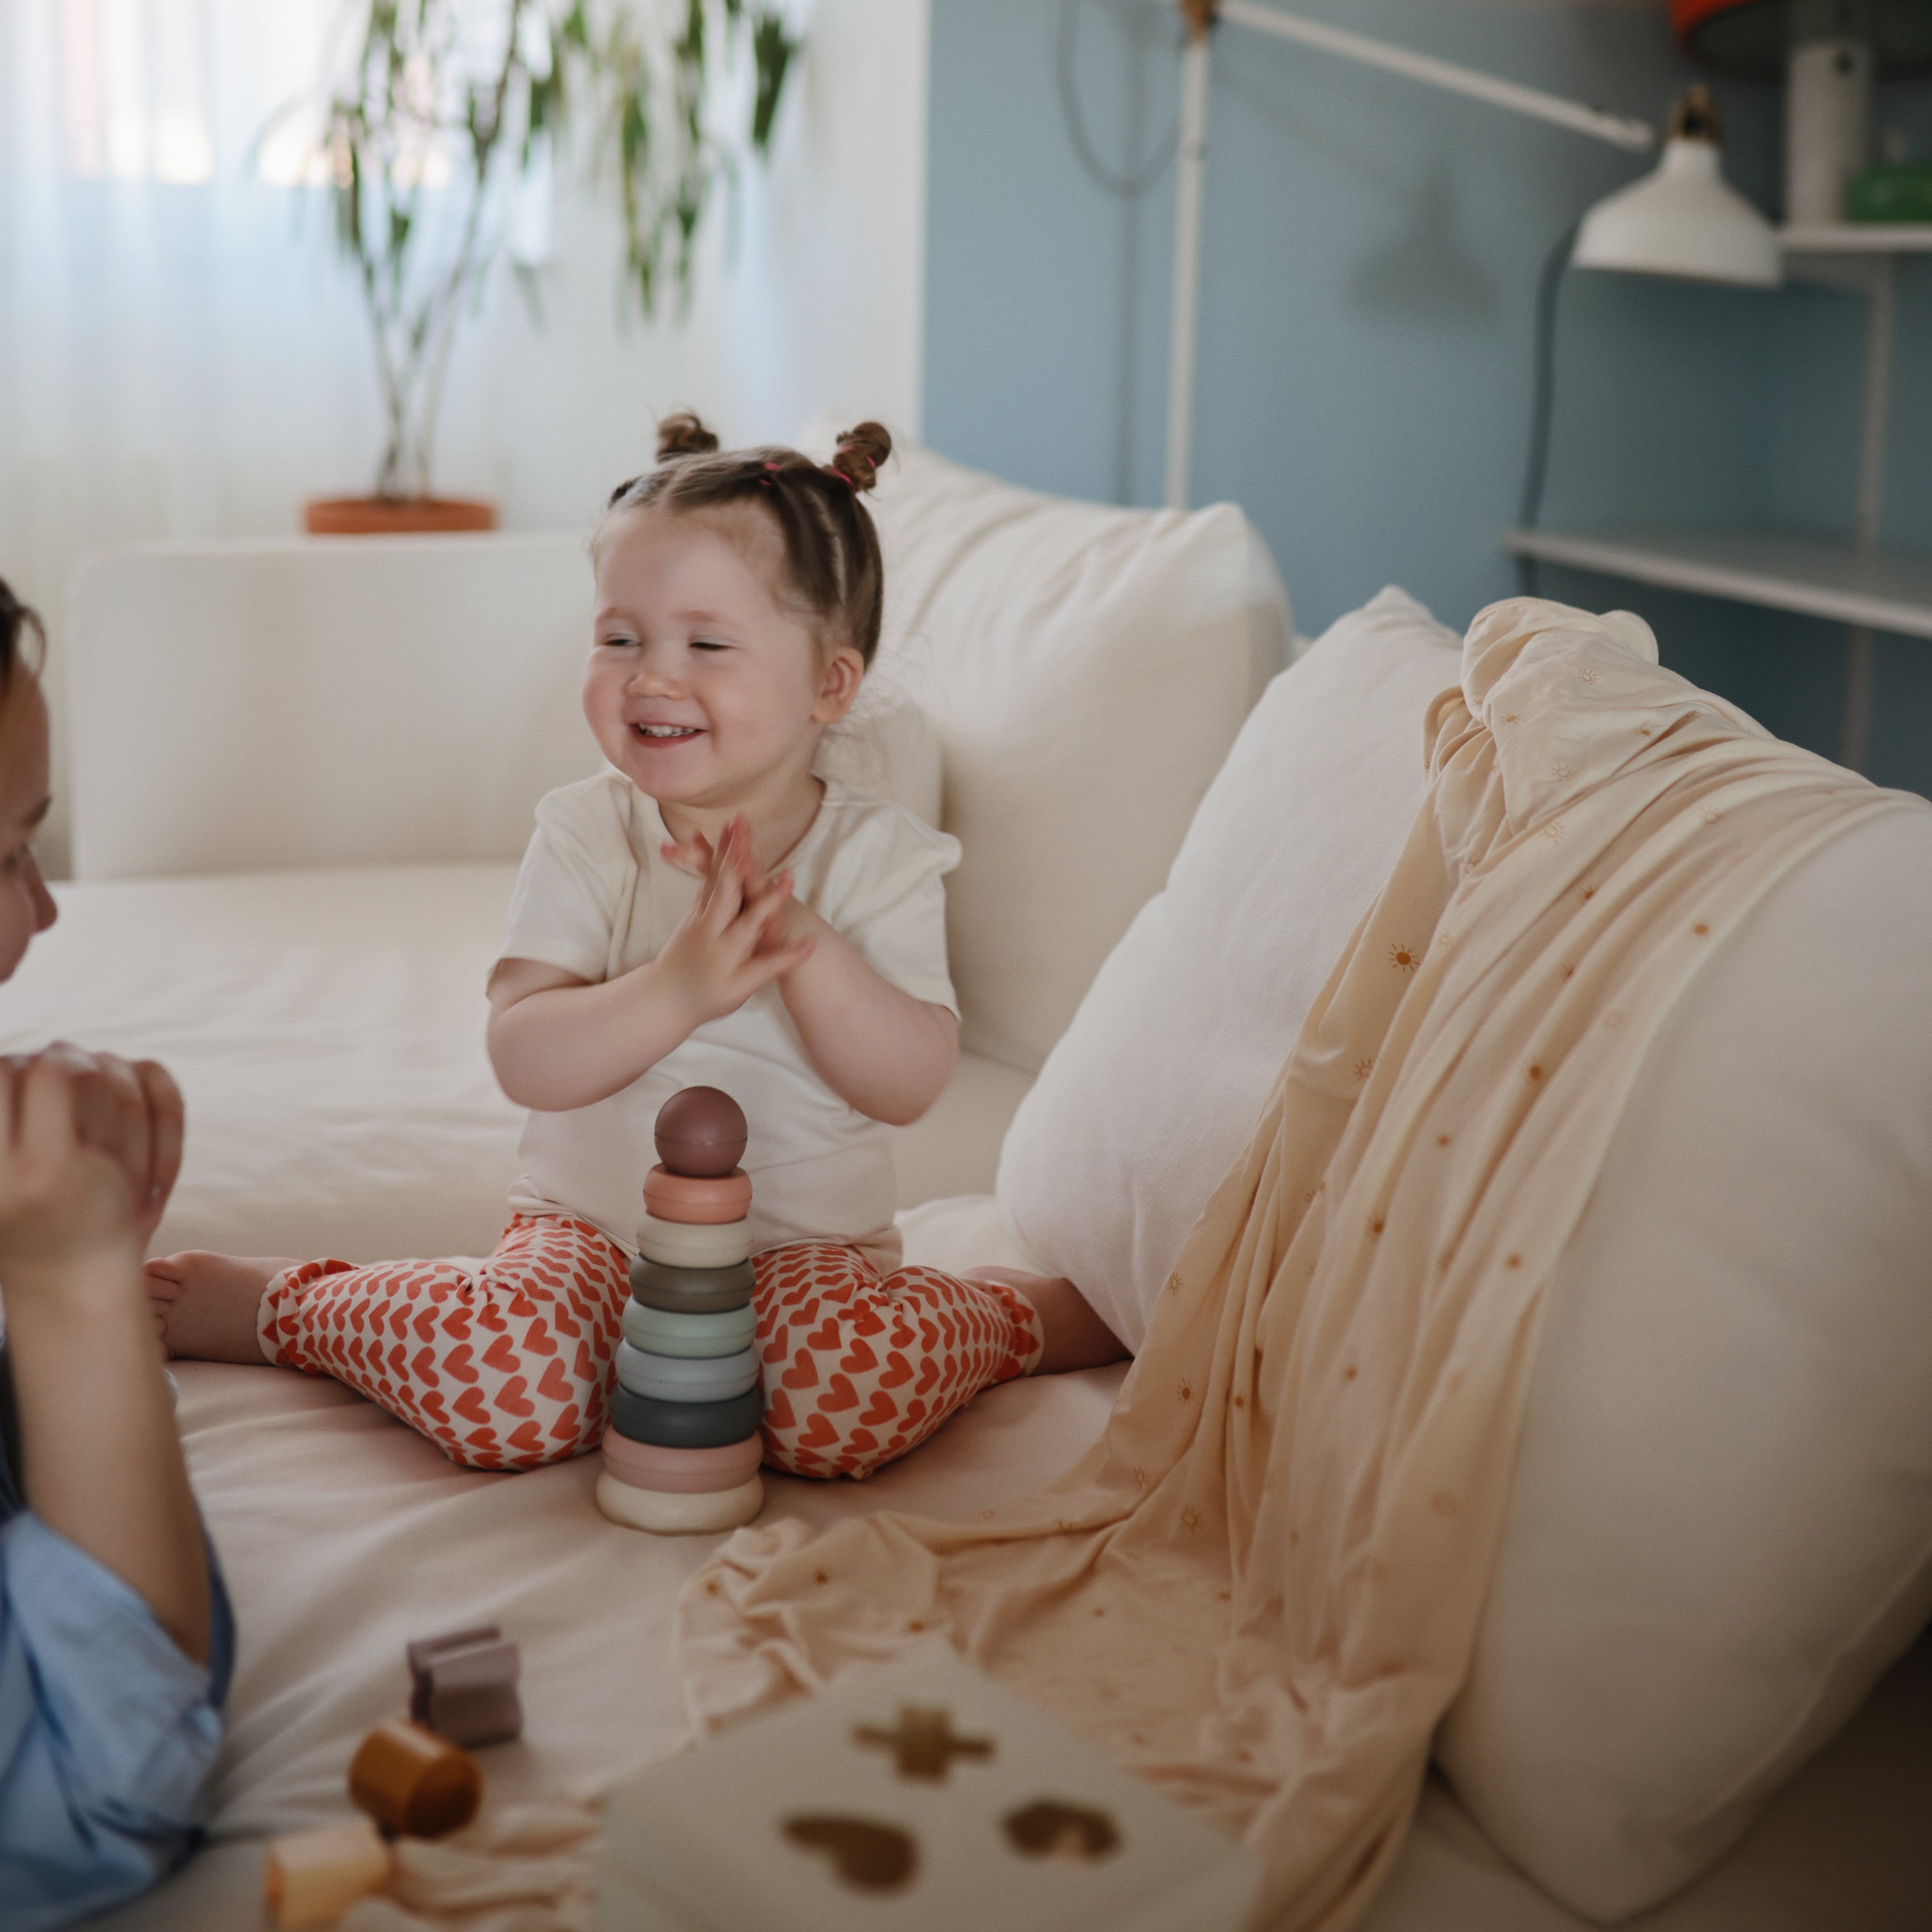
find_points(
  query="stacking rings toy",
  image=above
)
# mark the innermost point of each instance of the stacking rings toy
(686, 1378)
(674, 1513)
(686, 1425)
(691, 1290)
(697, 1200)
(694, 1244)
(670, 1331)
(645, 1465)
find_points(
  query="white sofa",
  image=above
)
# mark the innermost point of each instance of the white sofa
(302, 775)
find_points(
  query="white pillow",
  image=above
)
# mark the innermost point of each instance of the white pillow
(1719, 1530)
(1088, 668)
(1155, 1087)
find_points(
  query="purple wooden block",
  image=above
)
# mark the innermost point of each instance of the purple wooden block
(464, 1686)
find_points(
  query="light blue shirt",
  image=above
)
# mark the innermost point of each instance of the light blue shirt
(107, 1730)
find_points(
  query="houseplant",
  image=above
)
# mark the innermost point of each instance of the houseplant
(449, 109)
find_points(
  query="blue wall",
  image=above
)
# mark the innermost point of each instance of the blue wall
(1371, 254)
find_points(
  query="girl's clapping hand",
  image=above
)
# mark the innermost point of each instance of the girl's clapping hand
(732, 942)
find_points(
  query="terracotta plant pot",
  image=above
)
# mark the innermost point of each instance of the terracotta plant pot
(403, 516)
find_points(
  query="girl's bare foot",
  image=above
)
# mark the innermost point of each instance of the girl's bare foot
(205, 1304)
(1076, 1338)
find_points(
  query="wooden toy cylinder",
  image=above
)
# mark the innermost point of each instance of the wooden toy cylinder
(697, 1200)
(410, 1781)
(312, 1878)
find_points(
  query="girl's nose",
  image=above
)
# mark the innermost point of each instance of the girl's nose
(45, 910)
(652, 677)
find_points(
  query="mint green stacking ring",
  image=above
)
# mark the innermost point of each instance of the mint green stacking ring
(683, 1378)
(665, 1331)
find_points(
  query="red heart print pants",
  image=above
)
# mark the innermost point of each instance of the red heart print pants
(507, 1364)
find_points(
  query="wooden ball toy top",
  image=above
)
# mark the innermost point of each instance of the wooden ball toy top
(700, 1133)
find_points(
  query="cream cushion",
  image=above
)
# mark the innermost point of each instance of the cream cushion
(1156, 1085)
(1088, 668)
(358, 701)
(1719, 1530)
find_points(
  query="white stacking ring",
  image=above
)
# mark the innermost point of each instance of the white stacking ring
(694, 1244)
(686, 1378)
(671, 1514)
(665, 1331)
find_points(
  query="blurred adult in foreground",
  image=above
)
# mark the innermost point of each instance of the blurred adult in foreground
(116, 1640)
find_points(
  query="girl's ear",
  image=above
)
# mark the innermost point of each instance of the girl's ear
(838, 686)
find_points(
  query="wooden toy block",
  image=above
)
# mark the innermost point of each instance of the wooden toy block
(410, 1780)
(312, 1878)
(463, 1687)
(671, 1331)
(686, 1425)
(686, 1378)
(697, 1201)
(694, 1244)
(692, 1291)
(648, 1465)
(672, 1513)
(701, 1132)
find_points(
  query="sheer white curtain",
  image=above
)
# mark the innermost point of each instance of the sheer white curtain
(182, 354)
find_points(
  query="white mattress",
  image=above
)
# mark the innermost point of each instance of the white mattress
(327, 1029)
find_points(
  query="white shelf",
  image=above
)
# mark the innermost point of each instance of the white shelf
(1858, 238)
(1819, 579)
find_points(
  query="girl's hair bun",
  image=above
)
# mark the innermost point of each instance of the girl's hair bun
(682, 434)
(859, 453)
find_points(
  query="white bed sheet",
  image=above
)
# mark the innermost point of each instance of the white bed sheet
(344, 1535)
(327, 1028)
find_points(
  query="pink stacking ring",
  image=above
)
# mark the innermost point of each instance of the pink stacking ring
(645, 1465)
(704, 1199)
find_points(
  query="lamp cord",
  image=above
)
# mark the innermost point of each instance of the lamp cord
(1543, 399)
(1128, 186)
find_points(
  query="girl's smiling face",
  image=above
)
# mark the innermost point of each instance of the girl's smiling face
(704, 687)
(26, 906)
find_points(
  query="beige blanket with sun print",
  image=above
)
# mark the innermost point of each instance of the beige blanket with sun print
(1260, 1588)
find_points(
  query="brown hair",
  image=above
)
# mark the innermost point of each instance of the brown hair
(831, 550)
(17, 621)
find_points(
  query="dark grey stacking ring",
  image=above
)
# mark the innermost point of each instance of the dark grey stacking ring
(691, 1290)
(686, 1425)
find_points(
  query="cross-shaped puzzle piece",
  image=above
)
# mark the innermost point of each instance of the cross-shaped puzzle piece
(923, 1743)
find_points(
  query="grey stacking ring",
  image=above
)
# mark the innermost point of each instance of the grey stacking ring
(686, 1425)
(686, 1378)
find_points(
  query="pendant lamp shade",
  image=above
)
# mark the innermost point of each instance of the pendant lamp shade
(1683, 218)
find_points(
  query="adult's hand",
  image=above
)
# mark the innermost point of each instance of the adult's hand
(89, 1146)
(90, 1149)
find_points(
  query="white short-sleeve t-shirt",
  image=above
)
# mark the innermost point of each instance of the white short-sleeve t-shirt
(596, 898)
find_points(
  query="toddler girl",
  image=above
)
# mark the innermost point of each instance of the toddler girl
(706, 911)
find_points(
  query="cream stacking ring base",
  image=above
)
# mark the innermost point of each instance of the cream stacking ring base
(694, 1244)
(679, 1515)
